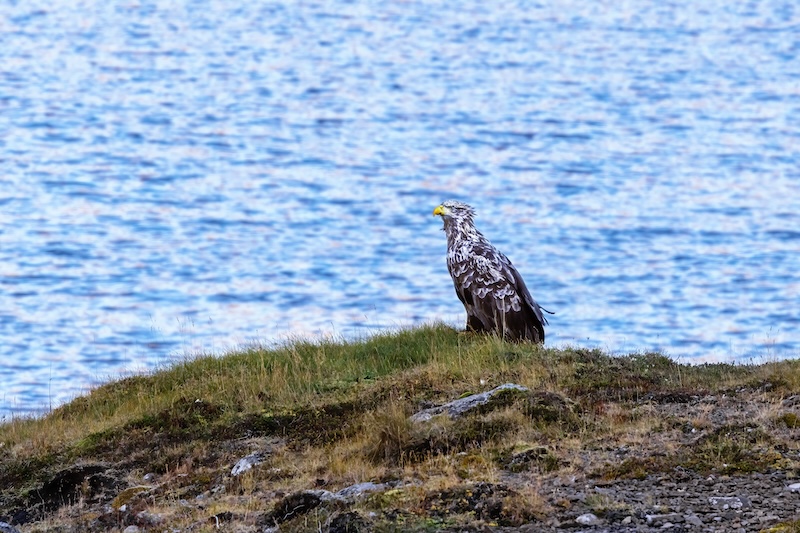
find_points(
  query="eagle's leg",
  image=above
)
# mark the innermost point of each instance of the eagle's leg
(474, 324)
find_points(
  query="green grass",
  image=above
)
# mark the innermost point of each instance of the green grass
(339, 411)
(296, 382)
(786, 527)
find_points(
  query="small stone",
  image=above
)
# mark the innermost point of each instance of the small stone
(794, 487)
(661, 519)
(360, 490)
(5, 527)
(576, 497)
(149, 477)
(791, 401)
(588, 519)
(693, 519)
(246, 463)
(729, 502)
(131, 529)
(627, 520)
(149, 519)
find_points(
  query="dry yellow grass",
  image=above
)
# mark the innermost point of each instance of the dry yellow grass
(336, 413)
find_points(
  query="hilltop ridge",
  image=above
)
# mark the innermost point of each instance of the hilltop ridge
(316, 436)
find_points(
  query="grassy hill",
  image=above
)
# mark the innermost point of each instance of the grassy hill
(156, 451)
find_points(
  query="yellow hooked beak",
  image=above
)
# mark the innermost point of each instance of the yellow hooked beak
(440, 210)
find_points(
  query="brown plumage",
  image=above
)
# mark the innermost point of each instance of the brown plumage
(492, 291)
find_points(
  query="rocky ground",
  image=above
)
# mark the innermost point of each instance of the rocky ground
(682, 501)
(668, 479)
(679, 501)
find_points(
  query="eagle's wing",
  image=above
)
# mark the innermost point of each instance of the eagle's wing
(522, 289)
(462, 270)
(494, 295)
(531, 312)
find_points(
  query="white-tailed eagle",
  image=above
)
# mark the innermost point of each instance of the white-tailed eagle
(491, 289)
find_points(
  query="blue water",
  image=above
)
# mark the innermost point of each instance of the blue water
(196, 176)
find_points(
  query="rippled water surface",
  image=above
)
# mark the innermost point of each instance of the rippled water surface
(192, 176)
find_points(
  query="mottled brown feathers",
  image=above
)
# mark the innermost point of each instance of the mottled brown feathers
(492, 291)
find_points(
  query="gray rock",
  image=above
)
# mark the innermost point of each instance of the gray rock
(5, 527)
(729, 502)
(352, 493)
(794, 487)
(357, 491)
(662, 519)
(791, 401)
(131, 529)
(149, 519)
(693, 519)
(246, 463)
(461, 406)
(588, 519)
(323, 495)
(605, 491)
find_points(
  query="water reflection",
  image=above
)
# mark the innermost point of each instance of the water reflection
(180, 180)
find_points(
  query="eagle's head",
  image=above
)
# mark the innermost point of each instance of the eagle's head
(455, 211)
(457, 218)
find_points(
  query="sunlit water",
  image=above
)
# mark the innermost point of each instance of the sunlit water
(196, 176)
